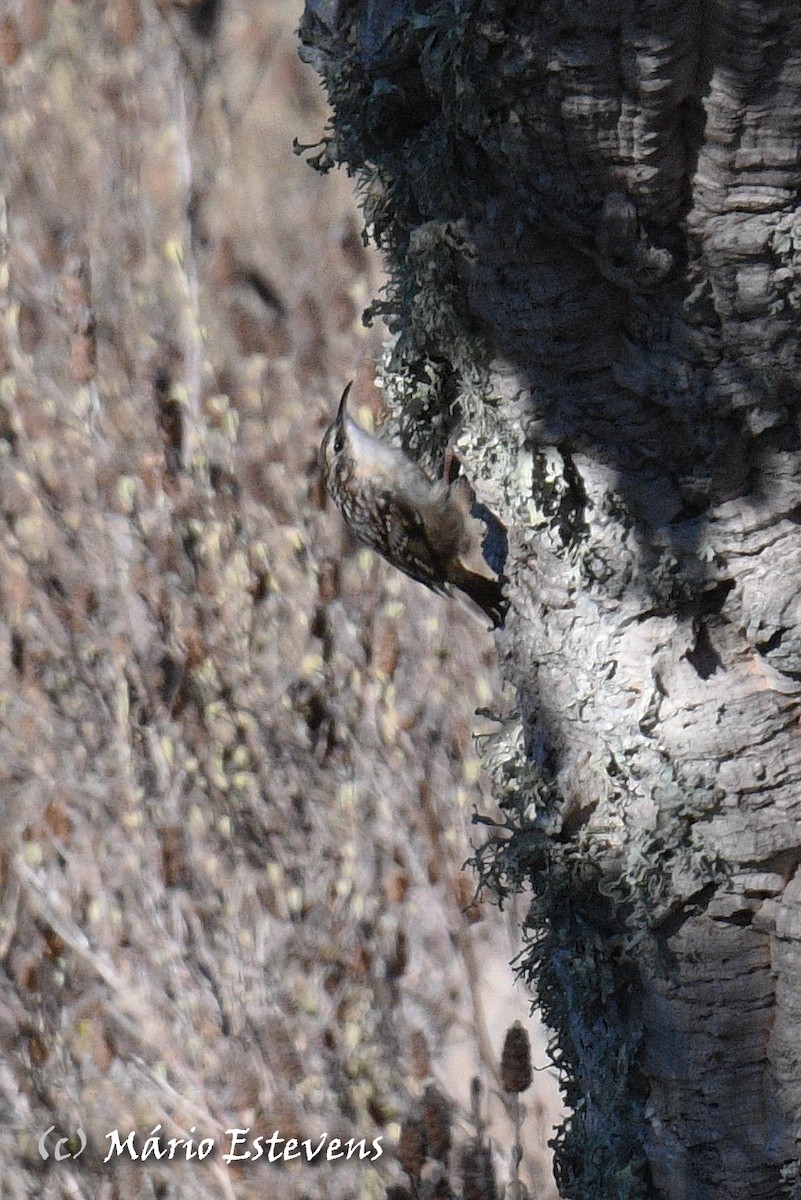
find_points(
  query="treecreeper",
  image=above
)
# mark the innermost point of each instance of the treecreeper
(432, 530)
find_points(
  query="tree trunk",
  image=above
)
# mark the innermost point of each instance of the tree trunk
(615, 187)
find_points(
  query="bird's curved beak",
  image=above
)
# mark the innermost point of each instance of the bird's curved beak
(343, 403)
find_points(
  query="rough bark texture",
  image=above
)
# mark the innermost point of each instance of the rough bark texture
(623, 184)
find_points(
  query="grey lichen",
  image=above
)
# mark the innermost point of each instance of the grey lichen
(588, 937)
(419, 118)
(791, 1177)
(579, 962)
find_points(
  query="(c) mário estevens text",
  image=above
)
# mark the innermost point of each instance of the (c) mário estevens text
(241, 1147)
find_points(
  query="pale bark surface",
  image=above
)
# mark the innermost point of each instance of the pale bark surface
(628, 182)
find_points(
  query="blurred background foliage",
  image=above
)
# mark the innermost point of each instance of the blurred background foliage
(237, 754)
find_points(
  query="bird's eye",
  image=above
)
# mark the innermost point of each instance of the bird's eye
(339, 442)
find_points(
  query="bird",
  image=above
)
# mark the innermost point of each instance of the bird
(423, 527)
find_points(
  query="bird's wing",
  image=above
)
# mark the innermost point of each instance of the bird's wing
(408, 546)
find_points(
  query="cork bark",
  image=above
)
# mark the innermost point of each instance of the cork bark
(626, 181)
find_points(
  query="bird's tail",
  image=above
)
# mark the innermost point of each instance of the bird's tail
(485, 592)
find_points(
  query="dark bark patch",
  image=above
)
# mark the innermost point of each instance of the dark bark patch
(266, 291)
(704, 658)
(743, 918)
(172, 682)
(714, 598)
(17, 652)
(170, 419)
(772, 643)
(203, 18)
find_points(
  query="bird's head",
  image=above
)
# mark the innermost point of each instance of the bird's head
(336, 443)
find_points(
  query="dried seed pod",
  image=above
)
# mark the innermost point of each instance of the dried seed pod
(478, 1174)
(516, 1060)
(411, 1152)
(436, 1117)
(420, 1054)
(475, 1101)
